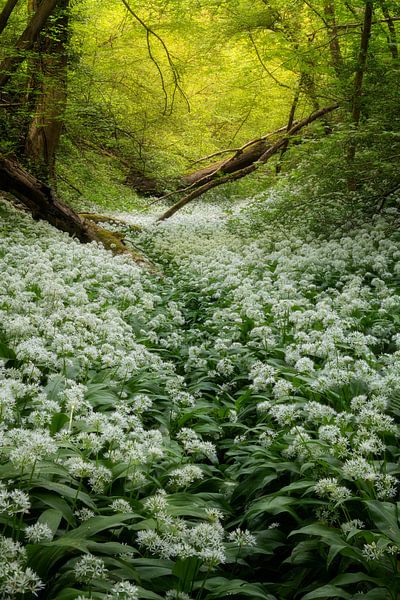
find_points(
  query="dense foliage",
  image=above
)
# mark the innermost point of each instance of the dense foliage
(224, 420)
(149, 90)
(225, 428)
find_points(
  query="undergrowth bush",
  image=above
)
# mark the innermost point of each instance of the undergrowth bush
(321, 190)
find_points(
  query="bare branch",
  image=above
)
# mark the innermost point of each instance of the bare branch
(175, 74)
(264, 66)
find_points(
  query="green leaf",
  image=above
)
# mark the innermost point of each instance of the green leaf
(150, 595)
(186, 570)
(152, 568)
(6, 352)
(57, 422)
(64, 491)
(52, 518)
(110, 548)
(58, 504)
(99, 394)
(386, 518)
(69, 594)
(350, 578)
(327, 591)
(272, 504)
(96, 524)
(221, 587)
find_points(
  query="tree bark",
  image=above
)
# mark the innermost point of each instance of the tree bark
(51, 94)
(392, 41)
(40, 200)
(26, 41)
(334, 44)
(215, 179)
(358, 84)
(240, 160)
(362, 62)
(6, 13)
(292, 113)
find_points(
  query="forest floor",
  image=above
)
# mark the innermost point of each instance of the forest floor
(225, 427)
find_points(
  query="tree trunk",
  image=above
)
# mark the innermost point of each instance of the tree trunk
(392, 41)
(362, 62)
(217, 178)
(40, 200)
(333, 34)
(292, 113)
(238, 161)
(358, 85)
(51, 93)
(6, 13)
(26, 41)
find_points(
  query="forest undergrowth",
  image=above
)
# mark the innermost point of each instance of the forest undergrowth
(226, 427)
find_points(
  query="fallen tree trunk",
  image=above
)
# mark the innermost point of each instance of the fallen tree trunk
(218, 177)
(41, 201)
(240, 160)
(242, 157)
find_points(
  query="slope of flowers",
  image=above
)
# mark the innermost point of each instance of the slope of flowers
(228, 428)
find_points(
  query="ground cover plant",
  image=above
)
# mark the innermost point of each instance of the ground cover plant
(226, 426)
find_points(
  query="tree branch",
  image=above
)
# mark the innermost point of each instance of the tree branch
(215, 180)
(175, 75)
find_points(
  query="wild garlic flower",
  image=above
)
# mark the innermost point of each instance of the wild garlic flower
(84, 514)
(120, 506)
(39, 532)
(386, 486)
(175, 595)
(350, 525)
(262, 376)
(123, 590)
(89, 568)
(330, 489)
(193, 444)
(19, 580)
(285, 414)
(184, 476)
(358, 468)
(242, 537)
(214, 514)
(15, 577)
(19, 502)
(373, 551)
(157, 504)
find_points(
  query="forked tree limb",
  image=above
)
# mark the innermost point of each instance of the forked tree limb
(216, 179)
(26, 40)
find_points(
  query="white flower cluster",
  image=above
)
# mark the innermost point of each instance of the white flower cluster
(15, 578)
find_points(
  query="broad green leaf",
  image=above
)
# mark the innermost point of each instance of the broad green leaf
(386, 518)
(273, 505)
(221, 587)
(186, 570)
(327, 591)
(63, 490)
(57, 422)
(58, 504)
(52, 518)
